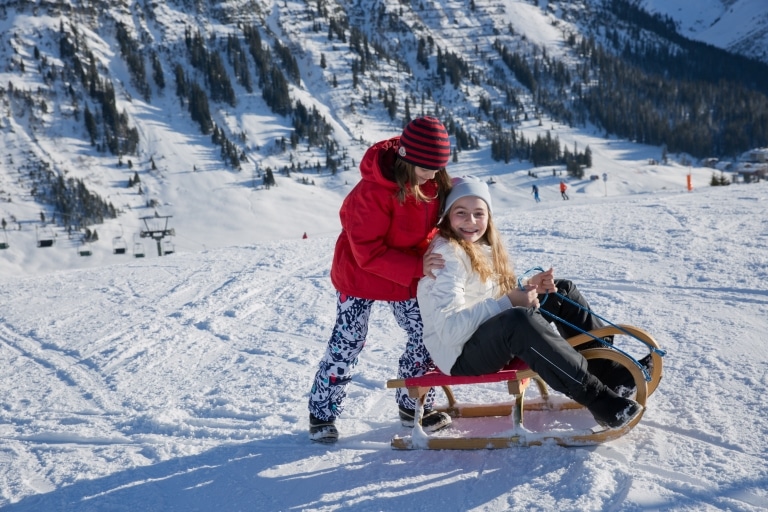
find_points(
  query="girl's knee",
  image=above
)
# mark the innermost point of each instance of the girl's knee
(564, 286)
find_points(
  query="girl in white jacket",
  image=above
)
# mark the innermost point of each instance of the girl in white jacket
(476, 318)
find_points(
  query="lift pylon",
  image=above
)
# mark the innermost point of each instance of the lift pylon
(157, 229)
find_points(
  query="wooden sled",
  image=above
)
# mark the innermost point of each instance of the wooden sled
(518, 377)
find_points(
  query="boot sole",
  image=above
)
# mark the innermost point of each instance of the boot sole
(625, 420)
(326, 434)
(445, 422)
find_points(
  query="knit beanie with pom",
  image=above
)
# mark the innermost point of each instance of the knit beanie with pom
(425, 143)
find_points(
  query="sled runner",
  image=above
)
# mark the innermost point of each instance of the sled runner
(518, 377)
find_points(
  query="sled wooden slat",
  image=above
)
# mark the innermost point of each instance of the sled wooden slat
(518, 376)
(595, 436)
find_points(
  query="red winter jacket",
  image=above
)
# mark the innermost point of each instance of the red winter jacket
(379, 252)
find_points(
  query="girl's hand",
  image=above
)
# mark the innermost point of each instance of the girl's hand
(527, 297)
(544, 282)
(432, 261)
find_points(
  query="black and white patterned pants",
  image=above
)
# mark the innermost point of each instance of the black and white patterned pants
(326, 399)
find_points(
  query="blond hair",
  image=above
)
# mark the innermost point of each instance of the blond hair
(497, 267)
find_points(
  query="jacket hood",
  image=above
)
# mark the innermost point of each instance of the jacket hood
(378, 161)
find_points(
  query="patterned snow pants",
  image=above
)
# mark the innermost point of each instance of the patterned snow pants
(326, 399)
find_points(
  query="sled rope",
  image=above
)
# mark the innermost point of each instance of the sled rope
(658, 351)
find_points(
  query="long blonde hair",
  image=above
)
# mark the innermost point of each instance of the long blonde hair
(498, 267)
(408, 182)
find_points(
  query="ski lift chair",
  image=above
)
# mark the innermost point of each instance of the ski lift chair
(44, 241)
(168, 247)
(118, 245)
(138, 247)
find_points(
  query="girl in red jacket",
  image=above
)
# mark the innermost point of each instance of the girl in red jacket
(387, 221)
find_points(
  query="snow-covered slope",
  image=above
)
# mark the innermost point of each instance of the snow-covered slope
(180, 383)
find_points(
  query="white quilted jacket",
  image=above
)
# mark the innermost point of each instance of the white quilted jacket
(455, 304)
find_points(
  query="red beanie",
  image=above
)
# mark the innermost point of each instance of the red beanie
(425, 143)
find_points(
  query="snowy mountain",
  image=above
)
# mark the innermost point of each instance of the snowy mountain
(739, 26)
(118, 114)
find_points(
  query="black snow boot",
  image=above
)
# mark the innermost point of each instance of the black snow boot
(432, 421)
(613, 411)
(322, 431)
(613, 375)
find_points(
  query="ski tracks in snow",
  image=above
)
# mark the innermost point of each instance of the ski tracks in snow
(196, 368)
(149, 366)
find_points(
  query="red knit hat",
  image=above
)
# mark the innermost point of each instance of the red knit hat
(425, 143)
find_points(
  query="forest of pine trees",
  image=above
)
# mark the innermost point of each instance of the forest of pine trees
(74, 205)
(110, 131)
(663, 90)
(627, 90)
(545, 150)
